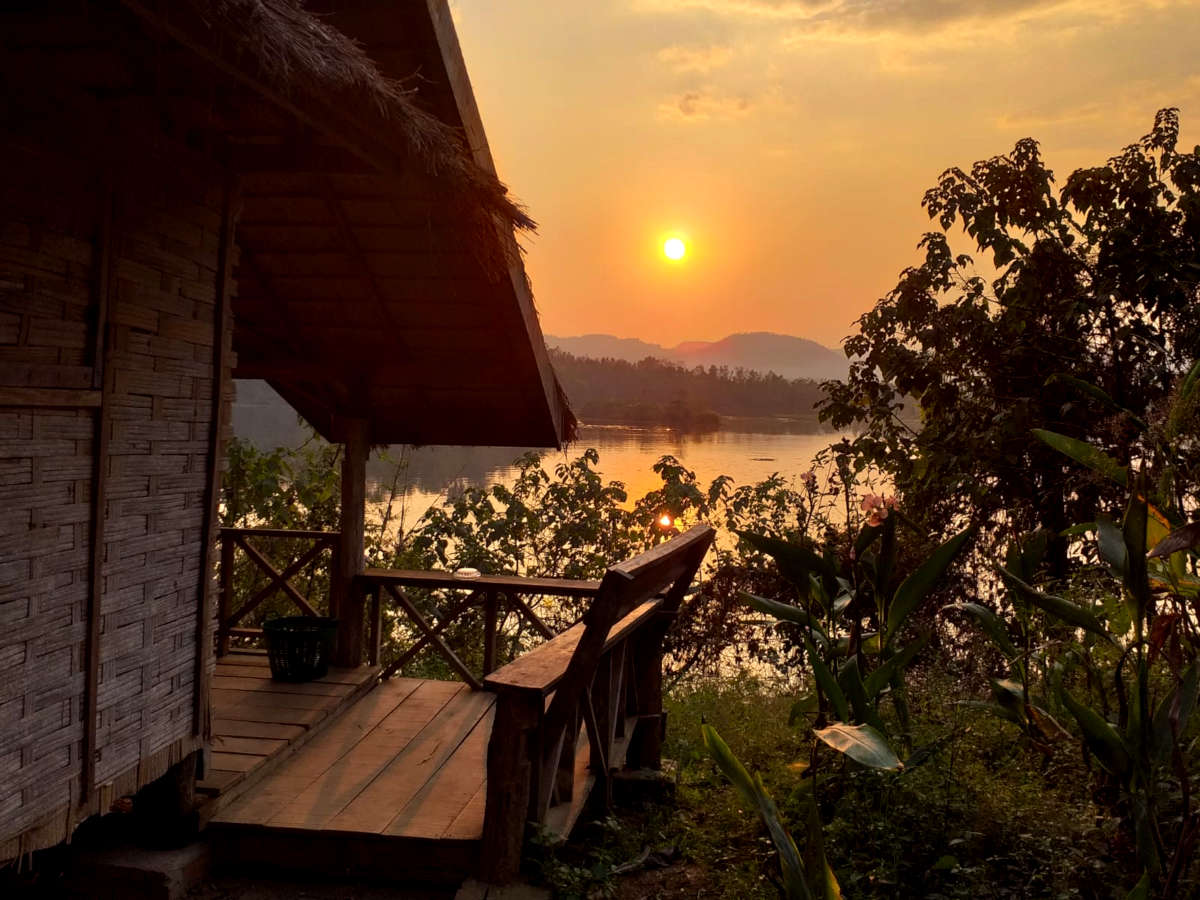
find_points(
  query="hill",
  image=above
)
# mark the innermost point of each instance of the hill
(760, 351)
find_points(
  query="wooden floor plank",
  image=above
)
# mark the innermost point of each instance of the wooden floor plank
(245, 683)
(346, 734)
(468, 824)
(254, 745)
(269, 698)
(268, 797)
(238, 728)
(262, 712)
(435, 806)
(376, 805)
(345, 775)
(235, 762)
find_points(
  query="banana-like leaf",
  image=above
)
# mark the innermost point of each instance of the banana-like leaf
(992, 625)
(1056, 606)
(1185, 538)
(1100, 736)
(1141, 890)
(821, 881)
(1174, 711)
(881, 677)
(795, 561)
(1096, 392)
(782, 611)
(827, 683)
(850, 680)
(755, 793)
(1010, 695)
(1134, 527)
(1095, 459)
(917, 586)
(1111, 542)
(862, 743)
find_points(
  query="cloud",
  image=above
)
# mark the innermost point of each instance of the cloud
(864, 18)
(760, 9)
(705, 105)
(695, 59)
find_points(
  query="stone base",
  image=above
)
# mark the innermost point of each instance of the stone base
(133, 872)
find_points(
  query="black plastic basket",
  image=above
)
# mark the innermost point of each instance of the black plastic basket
(299, 647)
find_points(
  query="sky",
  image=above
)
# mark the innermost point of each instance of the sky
(788, 142)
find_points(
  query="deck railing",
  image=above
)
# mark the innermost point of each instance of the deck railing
(235, 540)
(495, 595)
(598, 686)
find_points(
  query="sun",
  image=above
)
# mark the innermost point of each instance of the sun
(674, 248)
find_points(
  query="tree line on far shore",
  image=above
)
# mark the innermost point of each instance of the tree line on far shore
(656, 392)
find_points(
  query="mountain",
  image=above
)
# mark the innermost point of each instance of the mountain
(762, 351)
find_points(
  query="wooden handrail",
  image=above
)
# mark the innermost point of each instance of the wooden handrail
(490, 591)
(540, 670)
(603, 677)
(556, 587)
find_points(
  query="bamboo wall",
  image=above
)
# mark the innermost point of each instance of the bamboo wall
(109, 286)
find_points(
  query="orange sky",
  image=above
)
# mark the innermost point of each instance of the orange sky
(790, 141)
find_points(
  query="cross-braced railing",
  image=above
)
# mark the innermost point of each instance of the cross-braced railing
(493, 595)
(279, 579)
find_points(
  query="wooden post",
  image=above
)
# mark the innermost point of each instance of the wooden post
(489, 631)
(349, 602)
(225, 601)
(221, 349)
(645, 745)
(512, 755)
(102, 380)
(375, 645)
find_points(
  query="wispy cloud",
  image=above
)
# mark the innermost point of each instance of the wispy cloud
(705, 105)
(829, 18)
(695, 59)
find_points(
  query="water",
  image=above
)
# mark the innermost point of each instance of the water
(626, 454)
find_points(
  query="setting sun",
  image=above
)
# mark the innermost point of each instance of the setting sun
(674, 248)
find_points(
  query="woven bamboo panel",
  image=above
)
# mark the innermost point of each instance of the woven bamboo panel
(158, 388)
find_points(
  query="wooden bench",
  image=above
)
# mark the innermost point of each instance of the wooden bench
(602, 677)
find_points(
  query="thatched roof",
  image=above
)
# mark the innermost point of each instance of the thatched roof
(385, 282)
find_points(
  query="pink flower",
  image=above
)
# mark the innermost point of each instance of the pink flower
(877, 517)
(809, 478)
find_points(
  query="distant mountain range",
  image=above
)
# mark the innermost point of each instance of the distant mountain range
(762, 351)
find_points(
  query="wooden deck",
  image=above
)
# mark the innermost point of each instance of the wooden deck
(393, 788)
(257, 723)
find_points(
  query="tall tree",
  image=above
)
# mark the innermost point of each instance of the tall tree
(1081, 313)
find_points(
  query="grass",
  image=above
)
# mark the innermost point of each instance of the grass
(986, 816)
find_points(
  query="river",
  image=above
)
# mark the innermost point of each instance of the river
(627, 454)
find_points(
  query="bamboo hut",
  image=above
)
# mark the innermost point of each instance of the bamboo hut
(194, 190)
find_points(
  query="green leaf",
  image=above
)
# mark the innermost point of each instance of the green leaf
(916, 586)
(1185, 538)
(1084, 453)
(795, 561)
(1141, 890)
(1091, 390)
(826, 682)
(1100, 736)
(1134, 528)
(861, 743)
(821, 880)
(851, 682)
(881, 677)
(752, 789)
(784, 611)
(1174, 711)
(992, 625)
(1111, 542)
(1056, 606)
